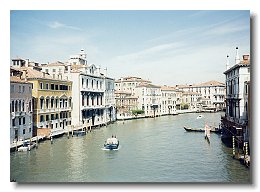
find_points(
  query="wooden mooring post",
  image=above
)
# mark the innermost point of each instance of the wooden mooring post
(234, 149)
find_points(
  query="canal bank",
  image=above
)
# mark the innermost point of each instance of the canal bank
(152, 150)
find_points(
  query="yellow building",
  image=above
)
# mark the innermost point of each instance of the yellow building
(52, 101)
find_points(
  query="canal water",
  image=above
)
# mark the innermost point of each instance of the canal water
(151, 150)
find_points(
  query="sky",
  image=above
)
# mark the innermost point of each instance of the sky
(165, 47)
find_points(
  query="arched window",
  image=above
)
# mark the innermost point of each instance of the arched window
(12, 106)
(19, 106)
(41, 102)
(47, 102)
(22, 105)
(16, 106)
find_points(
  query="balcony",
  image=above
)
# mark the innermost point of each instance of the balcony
(92, 90)
(92, 107)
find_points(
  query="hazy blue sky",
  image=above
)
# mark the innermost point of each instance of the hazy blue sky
(166, 47)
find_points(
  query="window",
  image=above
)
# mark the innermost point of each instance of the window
(52, 103)
(41, 85)
(24, 120)
(57, 103)
(20, 120)
(12, 106)
(19, 91)
(52, 86)
(56, 87)
(13, 122)
(57, 116)
(41, 118)
(52, 116)
(30, 130)
(47, 103)
(47, 117)
(53, 70)
(47, 86)
(23, 131)
(23, 89)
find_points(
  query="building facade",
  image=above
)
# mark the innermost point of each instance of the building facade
(128, 84)
(212, 94)
(20, 108)
(52, 101)
(149, 99)
(169, 100)
(235, 121)
(93, 93)
(125, 104)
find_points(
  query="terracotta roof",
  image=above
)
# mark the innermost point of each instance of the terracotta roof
(129, 79)
(58, 63)
(17, 79)
(148, 85)
(168, 88)
(34, 74)
(209, 83)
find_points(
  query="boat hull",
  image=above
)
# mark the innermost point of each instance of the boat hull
(111, 146)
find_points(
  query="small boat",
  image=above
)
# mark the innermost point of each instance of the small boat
(200, 116)
(27, 146)
(79, 133)
(111, 143)
(194, 129)
(212, 129)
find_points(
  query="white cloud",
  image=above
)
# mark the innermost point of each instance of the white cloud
(58, 25)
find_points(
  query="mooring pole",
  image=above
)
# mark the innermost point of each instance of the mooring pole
(234, 152)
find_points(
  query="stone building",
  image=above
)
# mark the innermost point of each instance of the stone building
(235, 121)
(21, 126)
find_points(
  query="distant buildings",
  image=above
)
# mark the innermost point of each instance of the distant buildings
(236, 119)
(149, 99)
(126, 103)
(212, 94)
(169, 100)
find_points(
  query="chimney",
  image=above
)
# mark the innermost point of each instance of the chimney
(227, 64)
(245, 57)
(43, 74)
(105, 72)
(98, 70)
(237, 60)
(26, 62)
(24, 76)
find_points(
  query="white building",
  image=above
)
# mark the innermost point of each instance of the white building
(193, 99)
(110, 102)
(149, 99)
(169, 99)
(20, 108)
(92, 93)
(212, 93)
(236, 116)
(128, 84)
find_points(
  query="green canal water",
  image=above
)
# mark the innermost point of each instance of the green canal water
(151, 150)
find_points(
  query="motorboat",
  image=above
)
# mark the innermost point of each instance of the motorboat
(111, 143)
(27, 146)
(200, 116)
